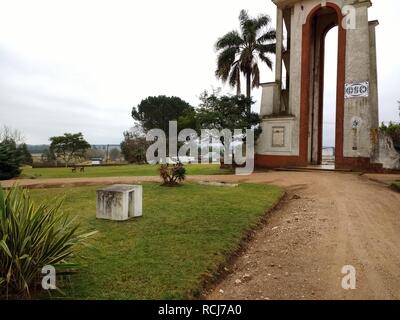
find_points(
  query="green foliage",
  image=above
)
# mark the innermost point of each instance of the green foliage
(395, 186)
(31, 237)
(239, 52)
(156, 112)
(12, 155)
(69, 147)
(173, 174)
(10, 160)
(134, 148)
(227, 112)
(392, 130)
(188, 120)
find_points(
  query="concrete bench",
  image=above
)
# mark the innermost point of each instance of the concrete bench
(119, 202)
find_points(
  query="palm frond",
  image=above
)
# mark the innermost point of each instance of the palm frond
(224, 62)
(234, 76)
(248, 27)
(243, 16)
(256, 76)
(266, 48)
(264, 58)
(231, 39)
(262, 21)
(267, 36)
(223, 73)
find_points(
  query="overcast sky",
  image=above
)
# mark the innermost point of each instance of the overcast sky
(81, 65)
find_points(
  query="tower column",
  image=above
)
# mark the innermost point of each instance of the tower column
(278, 63)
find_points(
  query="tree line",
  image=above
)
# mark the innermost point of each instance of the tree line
(215, 111)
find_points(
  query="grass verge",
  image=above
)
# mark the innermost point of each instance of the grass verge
(116, 171)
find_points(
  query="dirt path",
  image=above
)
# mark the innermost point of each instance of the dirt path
(327, 221)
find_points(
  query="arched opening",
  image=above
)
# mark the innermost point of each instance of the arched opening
(314, 53)
(324, 20)
(329, 98)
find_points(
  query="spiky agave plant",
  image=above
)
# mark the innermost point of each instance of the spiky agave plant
(172, 175)
(31, 237)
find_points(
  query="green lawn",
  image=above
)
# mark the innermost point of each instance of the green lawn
(116, 171)
(185, 235)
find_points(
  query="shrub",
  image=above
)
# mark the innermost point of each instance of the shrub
(134, 148)
(395, 186)
(393, 130)
(31, 237)
(172, 175)
(10, 160)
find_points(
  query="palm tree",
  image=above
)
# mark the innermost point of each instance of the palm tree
(241, 52)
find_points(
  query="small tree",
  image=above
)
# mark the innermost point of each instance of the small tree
(69, 147)
(134, 147)
(392, 130)
(227, 112)
(10, 160)
(156, 112)
(8, 133)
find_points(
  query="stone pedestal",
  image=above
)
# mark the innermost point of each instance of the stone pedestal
(119, 202)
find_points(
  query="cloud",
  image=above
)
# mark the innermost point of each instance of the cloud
(72, 65)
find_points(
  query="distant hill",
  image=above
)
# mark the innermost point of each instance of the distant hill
(38, 148)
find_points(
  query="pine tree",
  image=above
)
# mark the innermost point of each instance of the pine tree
(10, 160)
